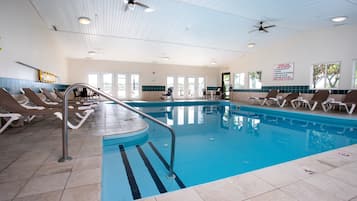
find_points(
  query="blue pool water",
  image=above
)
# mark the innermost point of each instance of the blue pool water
(214, 141)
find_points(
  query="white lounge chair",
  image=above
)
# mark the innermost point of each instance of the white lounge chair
(15, 111)
(349, 102)
(262, 100)
(319, 97)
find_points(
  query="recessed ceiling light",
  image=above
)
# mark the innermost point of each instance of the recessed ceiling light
(213, 63)
(84, 20)
(339, 19)
(149, 10)
(92, 53)
(251, 45)
(165, 58)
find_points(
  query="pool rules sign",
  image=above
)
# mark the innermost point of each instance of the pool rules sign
(283, 72)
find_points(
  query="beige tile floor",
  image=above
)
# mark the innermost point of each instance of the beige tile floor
(29, 170)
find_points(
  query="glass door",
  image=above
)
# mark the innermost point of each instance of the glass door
(226, 82)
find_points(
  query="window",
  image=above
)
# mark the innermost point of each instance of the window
(121, 85)
(108, 83)
(170, 82)
(181, 86)
(191, 86)
(134, 86)
(326, 75)
(238, 81)
(255, 80)
(355, 74)
(93, 80)
(201, 86)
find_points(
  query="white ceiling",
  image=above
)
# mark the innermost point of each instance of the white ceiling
(189, 32)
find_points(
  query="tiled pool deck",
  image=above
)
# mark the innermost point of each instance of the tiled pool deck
(29, 170)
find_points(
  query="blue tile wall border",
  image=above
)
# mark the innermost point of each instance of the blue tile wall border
(289, 89)
(14, 85)
(211, 88)
(152, 88)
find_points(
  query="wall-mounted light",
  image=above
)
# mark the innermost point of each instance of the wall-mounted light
(251, 45)
(165, 58)
(84, 20)
(339, 19)
(92, 53)
(149, 10)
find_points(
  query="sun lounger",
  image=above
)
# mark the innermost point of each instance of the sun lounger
(319, 97)
(349, 102)
(35, 99)
(16, 111)
(262, 100)
(286, 100)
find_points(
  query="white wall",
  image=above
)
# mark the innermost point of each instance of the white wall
(25, 38)
(304, 49)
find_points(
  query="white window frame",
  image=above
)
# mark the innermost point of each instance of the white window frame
(97, 77)
(112, 87)
(244, 80)
(131, 87)
(261, 73)
(325, 71)
(125, 88)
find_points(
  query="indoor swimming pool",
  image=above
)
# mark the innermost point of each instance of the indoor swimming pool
(214, 140)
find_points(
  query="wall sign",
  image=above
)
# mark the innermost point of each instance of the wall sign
(283, 72)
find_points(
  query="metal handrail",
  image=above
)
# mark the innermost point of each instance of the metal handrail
(65, 119)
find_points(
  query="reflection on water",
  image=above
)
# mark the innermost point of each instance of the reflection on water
(231, 141)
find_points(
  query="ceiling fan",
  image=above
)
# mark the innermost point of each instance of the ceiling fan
(131, 4)
(261, 28)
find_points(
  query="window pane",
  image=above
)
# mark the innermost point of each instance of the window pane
(239, 80)
(332, 75)
(169, 82)
(107, 83)
(121, 85)
(255, 80)
(326, 75)
(181, 86)
(201, 86)
(191, 86)
(318, 76)
(134, 85)
(93, 80)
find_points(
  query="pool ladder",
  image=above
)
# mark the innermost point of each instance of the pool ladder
(65, 155)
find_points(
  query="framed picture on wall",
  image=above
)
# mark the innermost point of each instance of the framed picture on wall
(282, 72)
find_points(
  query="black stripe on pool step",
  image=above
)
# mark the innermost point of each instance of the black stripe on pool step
(135, 192)
(177, 179)
(160, 186)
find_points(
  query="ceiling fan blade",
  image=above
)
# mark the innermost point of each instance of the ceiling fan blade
(256, 26)
(140, 4)
(253, 30)
(266, 31)
(126, 7)
(270, 26)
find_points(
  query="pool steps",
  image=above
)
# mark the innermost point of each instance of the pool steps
(140, 182)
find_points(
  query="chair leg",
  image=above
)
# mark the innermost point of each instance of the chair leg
(70, 125)
(13, 117)
(283, 103)
(351, 109)
(313, 106)
(325, 107)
